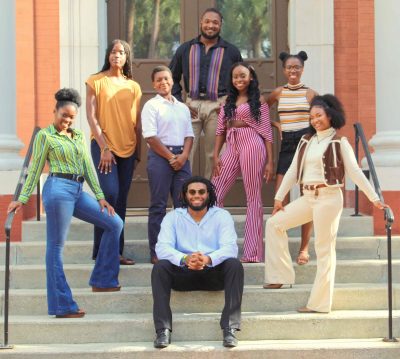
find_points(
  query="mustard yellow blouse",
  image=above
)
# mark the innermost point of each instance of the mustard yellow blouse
(118, 106)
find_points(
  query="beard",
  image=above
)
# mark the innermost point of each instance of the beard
(209, 37)
(199, 208)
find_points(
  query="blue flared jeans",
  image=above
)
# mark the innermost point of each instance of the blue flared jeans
(62, 199)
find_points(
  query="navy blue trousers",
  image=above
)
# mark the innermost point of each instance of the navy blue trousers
(115, 185)
(163, 180)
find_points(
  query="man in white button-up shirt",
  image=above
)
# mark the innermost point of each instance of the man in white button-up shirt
(197, 250)
(167, 129)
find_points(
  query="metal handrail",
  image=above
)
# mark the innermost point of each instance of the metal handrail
(7, 227)
(389, 219)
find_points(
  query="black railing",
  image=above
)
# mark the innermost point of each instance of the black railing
(7, 227)
(388, 216)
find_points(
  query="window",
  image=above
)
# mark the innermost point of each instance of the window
(248, 25)
(152, 28)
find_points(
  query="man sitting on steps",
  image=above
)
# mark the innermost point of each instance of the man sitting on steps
(197, 250)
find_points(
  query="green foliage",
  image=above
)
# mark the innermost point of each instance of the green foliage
(168, 37)
(247, 24)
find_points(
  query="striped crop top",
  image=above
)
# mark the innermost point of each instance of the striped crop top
(293, 108)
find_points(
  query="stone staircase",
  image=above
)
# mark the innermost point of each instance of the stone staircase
(119, 325)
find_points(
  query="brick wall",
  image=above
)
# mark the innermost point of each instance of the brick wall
(355, 70)
(38, 64)
(355, 63)
(28, 211)
(38, 78)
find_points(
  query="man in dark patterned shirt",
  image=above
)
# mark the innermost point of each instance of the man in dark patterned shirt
(205, 64)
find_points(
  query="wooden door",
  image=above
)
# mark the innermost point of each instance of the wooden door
(155, 28)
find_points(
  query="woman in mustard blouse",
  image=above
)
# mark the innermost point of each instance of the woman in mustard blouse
(113, 113)
(65, 150)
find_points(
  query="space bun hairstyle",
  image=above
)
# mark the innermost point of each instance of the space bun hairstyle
(333, 109)
(67, 96)
(301, 56)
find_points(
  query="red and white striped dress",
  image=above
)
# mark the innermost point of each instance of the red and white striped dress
(245, 153)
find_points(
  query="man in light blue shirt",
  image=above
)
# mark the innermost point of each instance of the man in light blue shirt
(197, 250)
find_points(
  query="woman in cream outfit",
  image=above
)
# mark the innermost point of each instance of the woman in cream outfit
(321, 161)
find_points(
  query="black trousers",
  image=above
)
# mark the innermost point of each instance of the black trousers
(227, 276)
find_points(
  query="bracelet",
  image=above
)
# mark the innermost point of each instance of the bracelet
(183, 260)
(105, 148)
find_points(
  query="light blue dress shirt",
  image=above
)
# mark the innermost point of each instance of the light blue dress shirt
(214, 236)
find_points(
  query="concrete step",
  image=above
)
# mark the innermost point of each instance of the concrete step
(136, 227)
(347, 271)
(112, 328)
(267, 349)
(256, 299)
(80, 252)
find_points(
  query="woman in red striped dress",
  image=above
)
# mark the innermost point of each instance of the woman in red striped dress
(244, 124)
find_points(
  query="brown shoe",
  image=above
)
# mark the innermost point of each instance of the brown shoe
(153, 260)
(79, 314)
(126, 261)
(111, 289)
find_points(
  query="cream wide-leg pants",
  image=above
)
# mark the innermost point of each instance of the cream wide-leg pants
(324, 210)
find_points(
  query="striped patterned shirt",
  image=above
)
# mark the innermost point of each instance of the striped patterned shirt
(262, 127)
(64, 155)
(293, 108)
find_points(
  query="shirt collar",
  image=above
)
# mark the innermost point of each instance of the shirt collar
(53, 131)
(184, 212)
(221, 42)
(160, 98)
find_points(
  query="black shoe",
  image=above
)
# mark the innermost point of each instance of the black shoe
(230, 340)
(163, 338)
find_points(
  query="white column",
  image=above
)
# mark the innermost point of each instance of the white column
(83, 37)
(82, 28)
(386, 142)
(311, 28)
(10, 145)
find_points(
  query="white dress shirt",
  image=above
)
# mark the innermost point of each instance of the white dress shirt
(169, 121)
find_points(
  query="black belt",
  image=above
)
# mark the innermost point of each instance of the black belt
(70, 176)
(176, 150)
(204, 96)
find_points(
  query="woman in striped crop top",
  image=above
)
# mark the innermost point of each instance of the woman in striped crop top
(243, 123)
(64, 148)
(293, 101)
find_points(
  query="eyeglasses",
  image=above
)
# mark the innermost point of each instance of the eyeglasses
(294, 67)
(192, 192)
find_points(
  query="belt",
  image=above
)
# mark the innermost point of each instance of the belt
(313, 187)
(69, 176)
(204, 96)
(176, 150)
